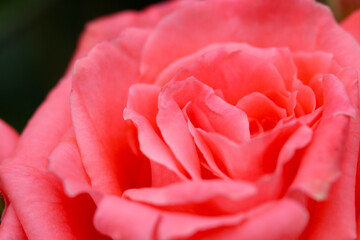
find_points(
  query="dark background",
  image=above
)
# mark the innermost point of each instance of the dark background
(37, 39)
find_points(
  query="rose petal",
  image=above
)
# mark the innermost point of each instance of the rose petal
(285, 219)
(36, 194)
(209, 197)
(10, 227)
(97, 111)
(173, 127)
(116, 218)
(152, 146)
(250, 160)
(65, 162)
(260, 74)
(258, 106)
(321, 163)
(249, 22)
(335, 218)
(305, 97)
(352, 24)
(310, 64)
(141, 110)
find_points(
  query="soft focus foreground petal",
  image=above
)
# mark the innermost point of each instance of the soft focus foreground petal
(352, 24)
(100, 89)
(210, 197)
(10, 227)
(8, 139)
(322, 160)
(335, 218)
(116, 218)
(42, 207)
(246, 21)
(284, 219)
(36, 194)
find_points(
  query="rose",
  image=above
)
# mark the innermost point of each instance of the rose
(194, 119)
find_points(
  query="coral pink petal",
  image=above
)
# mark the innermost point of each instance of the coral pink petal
(205, 151)
(298, 140)
(284, 219)
(252, 21)
(143, 99)
(352, 24)
(305, 97)
(310, 64)
(334, 39)
(8, 139)
(321, 162)
(258, 106)
(151, 145)
(216, 69)
(201, 196)
(335, 218)
(36, 194)
(118, 219)
(65, 162)
(10, 228)
(142, 108)
(173, 126)
(115, 217)
(250, 160)
(215, 115)
(100, 89)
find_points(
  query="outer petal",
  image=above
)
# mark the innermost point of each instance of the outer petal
(284, 219)
(10, 227)
(100, 89)
(321, 162)
(300, 25)
(352, 24)
(335, 218)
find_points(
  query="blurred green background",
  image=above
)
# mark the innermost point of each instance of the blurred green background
(37, 39)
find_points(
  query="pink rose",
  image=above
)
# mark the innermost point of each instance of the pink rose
(218, 119)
